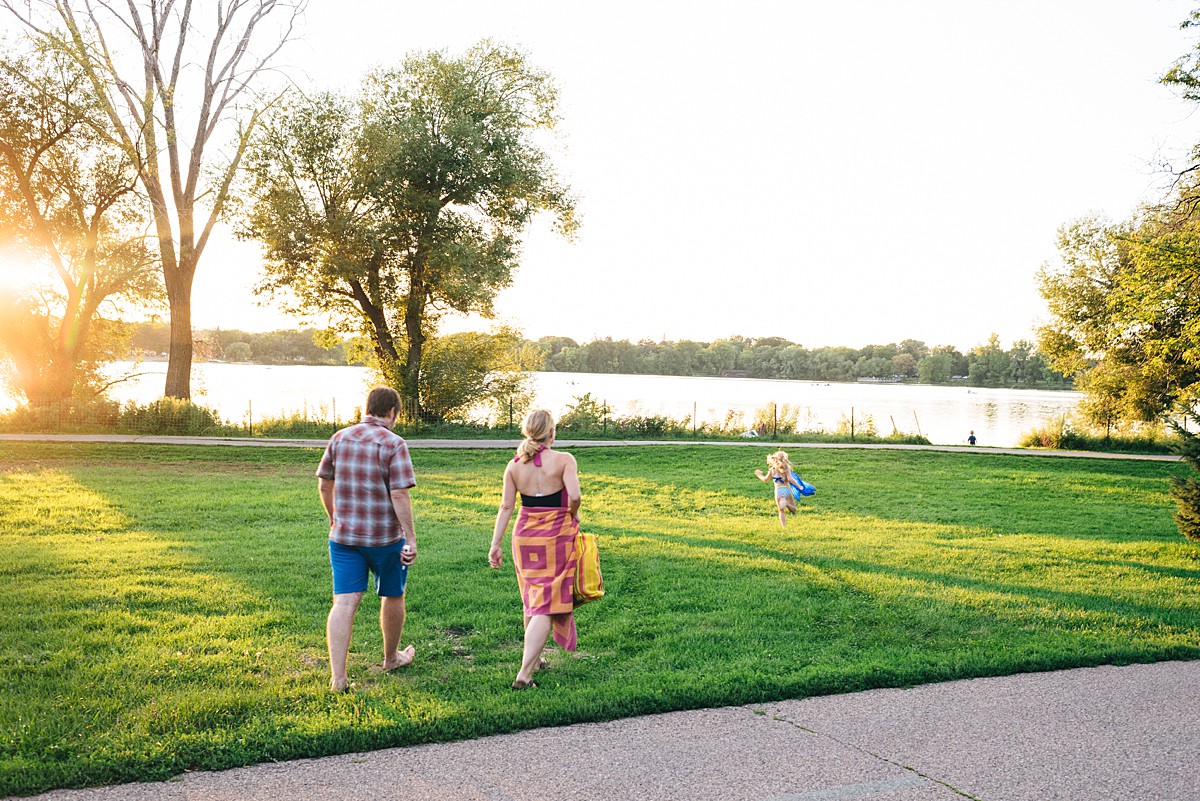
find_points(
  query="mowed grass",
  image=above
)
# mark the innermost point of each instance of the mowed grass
(162, 608)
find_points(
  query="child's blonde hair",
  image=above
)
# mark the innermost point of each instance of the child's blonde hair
(538, 428)
(779, 460)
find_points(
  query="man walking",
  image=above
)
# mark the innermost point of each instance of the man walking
(363, 479)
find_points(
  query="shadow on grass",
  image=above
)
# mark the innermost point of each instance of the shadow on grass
(708, 604)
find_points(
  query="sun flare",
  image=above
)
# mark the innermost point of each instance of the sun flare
(17, 273)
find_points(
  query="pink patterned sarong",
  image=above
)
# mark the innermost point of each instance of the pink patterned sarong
(543, 550)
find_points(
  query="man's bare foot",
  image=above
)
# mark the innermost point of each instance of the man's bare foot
(402, 659)
(521, 684)
(343, 686)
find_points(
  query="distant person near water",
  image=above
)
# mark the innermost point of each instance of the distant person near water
(364, 478)
(543, 539)
(971, 438)
(779, 471)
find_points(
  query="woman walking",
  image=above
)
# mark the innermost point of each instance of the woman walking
(543, 539)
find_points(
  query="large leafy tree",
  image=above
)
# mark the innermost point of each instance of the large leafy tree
(387, 211)
(68, 203)
(173, 78)
(1124, 303)
(1124, 299)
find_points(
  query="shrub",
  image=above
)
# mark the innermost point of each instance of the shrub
(1186, 492)
(1186, 489)
(586, 414)
(654, 426)
(296, 426)
(61, 417)
(782, 419)
(170, 416)
(863, 426)
(1072, 435)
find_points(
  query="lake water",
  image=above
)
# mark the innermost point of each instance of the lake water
(945, 415)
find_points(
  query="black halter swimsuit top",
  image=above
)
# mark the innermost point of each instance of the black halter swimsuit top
(554, 500)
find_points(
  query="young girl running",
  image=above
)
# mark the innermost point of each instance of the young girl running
(779, 470)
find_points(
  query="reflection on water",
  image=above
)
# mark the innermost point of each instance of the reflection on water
(943, 414)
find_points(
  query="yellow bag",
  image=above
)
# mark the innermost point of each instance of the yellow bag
(589, 585)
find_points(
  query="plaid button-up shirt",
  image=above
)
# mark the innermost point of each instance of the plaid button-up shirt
(365, 462)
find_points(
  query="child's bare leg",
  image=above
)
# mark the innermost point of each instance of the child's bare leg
(782, 512)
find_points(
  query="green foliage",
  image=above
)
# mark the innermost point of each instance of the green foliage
(774, 357)
(181, 625)
(1184, 74)
(238, 351)
(936, 369)
(166, 416)
(781, 419)
(1186, 492)
(169, 416)
(1125, 308)
(388, 211)
(1082, 435)
(286, 346)
(155, 84)
(69, 210)
(859, 426)
(989, 364)
(466, 371)
(586, 414)
(1186, 489)
(63, 417)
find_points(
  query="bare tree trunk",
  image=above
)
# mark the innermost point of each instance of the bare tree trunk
(179, 363)
(414, 317)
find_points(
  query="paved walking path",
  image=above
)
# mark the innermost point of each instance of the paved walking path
(1095, 734)
(417, 442)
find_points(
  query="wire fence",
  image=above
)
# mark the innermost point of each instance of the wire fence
(591, 418)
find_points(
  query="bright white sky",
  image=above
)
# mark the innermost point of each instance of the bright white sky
(840, 173)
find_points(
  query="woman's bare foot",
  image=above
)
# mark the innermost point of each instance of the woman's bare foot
(340, 687)
(523, 684)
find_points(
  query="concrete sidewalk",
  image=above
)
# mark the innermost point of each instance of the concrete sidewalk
(1095, 734)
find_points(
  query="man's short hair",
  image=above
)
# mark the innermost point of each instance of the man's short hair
(382, 400)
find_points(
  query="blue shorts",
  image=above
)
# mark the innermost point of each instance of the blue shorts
(350, 564)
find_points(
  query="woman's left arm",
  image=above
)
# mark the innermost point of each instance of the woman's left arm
(571, 483)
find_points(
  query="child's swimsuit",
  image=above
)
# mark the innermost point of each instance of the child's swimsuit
(783, 487)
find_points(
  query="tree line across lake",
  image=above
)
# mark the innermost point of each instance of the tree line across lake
(988, 364)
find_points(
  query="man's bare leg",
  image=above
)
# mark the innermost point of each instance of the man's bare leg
(337, 635)
(391, 623)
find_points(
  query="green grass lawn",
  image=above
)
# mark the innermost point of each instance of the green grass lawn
(162, 608)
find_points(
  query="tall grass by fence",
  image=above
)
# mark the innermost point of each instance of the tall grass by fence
(586, 418)
(1070, 435)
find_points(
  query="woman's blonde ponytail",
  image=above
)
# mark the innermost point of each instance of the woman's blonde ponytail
(538, 428)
